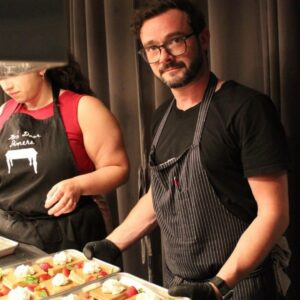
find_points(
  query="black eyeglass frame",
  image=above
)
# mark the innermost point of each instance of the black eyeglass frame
(164, 45)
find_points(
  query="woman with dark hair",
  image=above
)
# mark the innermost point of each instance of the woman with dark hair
(70, 77)
(59, 146)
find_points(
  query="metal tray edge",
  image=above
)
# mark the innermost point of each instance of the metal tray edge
(12, 245)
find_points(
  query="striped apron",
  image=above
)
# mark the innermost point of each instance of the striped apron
(198, 232)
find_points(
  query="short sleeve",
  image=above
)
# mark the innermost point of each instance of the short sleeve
(262, 138)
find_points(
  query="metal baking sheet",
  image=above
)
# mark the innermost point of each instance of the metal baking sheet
(125, 278)
(7, 246)
(7, 270)
(112, 268)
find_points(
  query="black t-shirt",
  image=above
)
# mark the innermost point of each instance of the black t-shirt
(242, 137)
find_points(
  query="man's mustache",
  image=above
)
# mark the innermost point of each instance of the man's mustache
(172, 64)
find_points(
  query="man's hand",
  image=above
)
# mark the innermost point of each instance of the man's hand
(104, 250)
(197, 291)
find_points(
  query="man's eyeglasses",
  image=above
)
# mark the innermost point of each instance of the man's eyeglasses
(175, 46)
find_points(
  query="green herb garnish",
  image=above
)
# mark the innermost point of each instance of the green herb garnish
(31, 279)
(43, 294)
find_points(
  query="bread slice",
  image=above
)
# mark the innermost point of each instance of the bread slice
(34, 296)
(52, 290)
(99, 295)
(54, 269)
(77, 275)
(11, 281)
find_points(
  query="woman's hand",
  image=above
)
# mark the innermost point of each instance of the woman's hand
(63, 198)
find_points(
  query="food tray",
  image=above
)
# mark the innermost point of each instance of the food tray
(40, 283)
(153, 291)
(7, 246)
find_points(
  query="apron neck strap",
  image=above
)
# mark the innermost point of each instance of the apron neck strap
(55, 94)
(208, 94)
(204, 105)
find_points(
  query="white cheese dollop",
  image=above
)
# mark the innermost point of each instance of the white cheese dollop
(145, 296)
(20, 293)
(60, 279)
(91, 267)
(23, 270)
(70, 297)
(112, 286)
(61, 258)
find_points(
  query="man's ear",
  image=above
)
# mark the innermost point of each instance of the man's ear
(204, 37)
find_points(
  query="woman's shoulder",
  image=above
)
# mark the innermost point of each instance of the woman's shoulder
(69, 101)
(67, 96)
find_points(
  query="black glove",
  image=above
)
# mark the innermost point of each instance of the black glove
(196, 291)
(104, 250)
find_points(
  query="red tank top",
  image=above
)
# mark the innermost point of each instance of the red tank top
(68, 106)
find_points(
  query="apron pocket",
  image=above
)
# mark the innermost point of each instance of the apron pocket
(188, 217)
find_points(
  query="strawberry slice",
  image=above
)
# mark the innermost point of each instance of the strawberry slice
(131, 291)
(103, 273)
(45, 266)
(32, 286)
(86, 295)
(4, 290)
(80, 265)
(66, 271)
(44, 277)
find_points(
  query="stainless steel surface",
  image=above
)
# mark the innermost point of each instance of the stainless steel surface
(128, 280)
(13, 68)
(23, 252)
(29, 255)
(7, 246)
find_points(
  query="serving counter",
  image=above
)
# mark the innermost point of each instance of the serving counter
(100, 282)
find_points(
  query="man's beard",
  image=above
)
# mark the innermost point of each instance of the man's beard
(188, 76)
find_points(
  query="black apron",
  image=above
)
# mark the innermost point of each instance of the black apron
(35, 155)
(198, 232)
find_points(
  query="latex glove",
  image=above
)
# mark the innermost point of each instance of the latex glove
(197, 291)
(104, 250)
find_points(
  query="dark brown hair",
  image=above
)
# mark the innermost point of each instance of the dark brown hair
(69, 77)
(151, 8)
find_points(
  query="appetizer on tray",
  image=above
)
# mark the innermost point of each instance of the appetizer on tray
(119, 286)
(50, 275)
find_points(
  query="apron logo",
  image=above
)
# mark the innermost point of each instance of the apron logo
(17, 140)
(28, 153)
